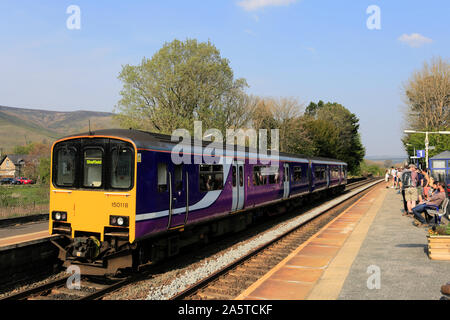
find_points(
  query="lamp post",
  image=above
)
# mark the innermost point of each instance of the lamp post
(426, 140)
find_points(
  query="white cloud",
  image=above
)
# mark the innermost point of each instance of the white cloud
(414, 40)
(251, 5)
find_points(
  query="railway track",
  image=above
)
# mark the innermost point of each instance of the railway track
(228, 282)
(223, 284)
(89, 289)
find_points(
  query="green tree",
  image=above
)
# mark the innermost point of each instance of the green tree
(427, 99)
(283, 114)
(44, 170)
(334, 130)
(184, 81)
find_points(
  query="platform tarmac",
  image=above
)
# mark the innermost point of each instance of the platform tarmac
(23, 233)
(369, 252)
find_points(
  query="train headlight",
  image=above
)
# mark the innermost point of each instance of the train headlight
(119, 221)
(59, 215)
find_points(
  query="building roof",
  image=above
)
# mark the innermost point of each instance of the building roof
(15, 158)
(443, 155)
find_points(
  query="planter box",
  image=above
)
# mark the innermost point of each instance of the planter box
(439, 247)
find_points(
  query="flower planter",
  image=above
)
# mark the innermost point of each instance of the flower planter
(439, 247)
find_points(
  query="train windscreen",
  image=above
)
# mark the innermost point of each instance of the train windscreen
(105, 164)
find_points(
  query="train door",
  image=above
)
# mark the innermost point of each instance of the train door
(237, 180)
(178, 195)
(286, 181)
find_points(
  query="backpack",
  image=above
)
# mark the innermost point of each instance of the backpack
(407, 179)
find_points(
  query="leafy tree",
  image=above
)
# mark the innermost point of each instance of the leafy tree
(427, 98)
(283, 114)
(44, 170)
(334, 130)
(182, 82)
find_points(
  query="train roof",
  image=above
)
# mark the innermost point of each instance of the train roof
(143, 139)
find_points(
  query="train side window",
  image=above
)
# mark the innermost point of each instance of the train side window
(258, 178)
(234, 176)
(273, 175)
(211, 177)
(93, 164)
(297, 174)
(178, 174)
(162, 177)
(319, 173)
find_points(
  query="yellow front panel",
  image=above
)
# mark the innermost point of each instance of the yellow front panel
(89, 211)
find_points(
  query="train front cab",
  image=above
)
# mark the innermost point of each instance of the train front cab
(93, 201)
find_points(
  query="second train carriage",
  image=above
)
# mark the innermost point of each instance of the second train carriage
(114, 190)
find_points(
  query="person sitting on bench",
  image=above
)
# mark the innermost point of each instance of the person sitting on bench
(434, 203)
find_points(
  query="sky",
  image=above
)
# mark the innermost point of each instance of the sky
(343, 51)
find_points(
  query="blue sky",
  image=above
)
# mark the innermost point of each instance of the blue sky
(311, 50)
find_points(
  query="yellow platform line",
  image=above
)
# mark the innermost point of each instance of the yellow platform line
(25, 237)
(255, 285)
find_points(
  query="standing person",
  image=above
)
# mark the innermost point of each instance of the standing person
(420, 184)
(394, 177)
(386, 178)
(409, 181)
(434, 203)
(402, 190)
(399, 178)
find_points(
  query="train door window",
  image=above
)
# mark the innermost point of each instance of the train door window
(93, 164)
(66, 169)
(241, 176)
(234, 175)
(121, 168)
(162, 177)
(297, 174)
(211, 177)
(178, 174)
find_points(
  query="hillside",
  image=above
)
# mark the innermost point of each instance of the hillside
(18, 125)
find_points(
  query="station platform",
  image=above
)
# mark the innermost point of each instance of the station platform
(370, 251)
(23, 233)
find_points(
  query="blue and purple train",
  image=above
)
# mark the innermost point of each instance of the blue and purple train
(120, 201)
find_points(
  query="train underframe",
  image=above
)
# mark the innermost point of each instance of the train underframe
(115, 254)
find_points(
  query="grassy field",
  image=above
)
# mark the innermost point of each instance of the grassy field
(23, 200)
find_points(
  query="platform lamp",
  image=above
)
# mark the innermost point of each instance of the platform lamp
(426, 139)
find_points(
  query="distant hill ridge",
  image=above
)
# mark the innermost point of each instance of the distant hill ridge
(20, 125)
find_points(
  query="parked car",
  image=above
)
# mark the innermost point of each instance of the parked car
(6, 181)
(25, 180)
(16, 181)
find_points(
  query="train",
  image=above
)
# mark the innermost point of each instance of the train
(119, 200)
